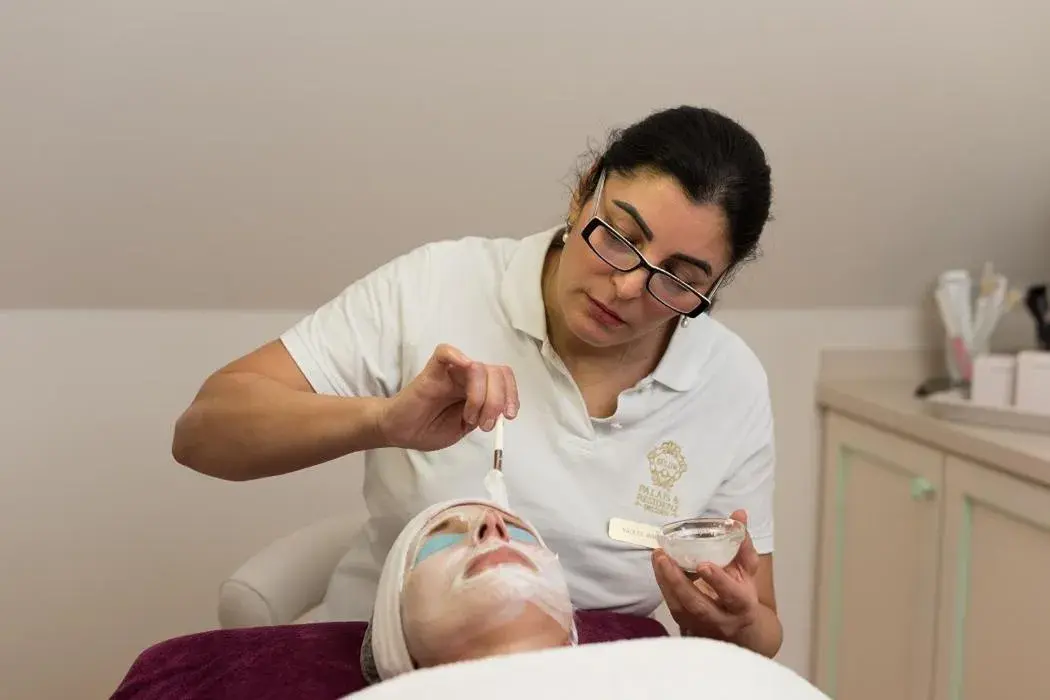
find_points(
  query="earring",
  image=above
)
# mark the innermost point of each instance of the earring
(565, 235)
(684, 322)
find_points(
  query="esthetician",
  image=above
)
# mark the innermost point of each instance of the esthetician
(625, 399)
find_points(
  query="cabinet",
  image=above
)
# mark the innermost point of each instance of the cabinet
(994, 612)
(933, 578)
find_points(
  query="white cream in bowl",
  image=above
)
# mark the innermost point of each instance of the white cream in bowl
(697, 541)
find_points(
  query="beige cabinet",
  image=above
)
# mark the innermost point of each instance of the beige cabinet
(994, 613)
(934, 573)
(879, 545)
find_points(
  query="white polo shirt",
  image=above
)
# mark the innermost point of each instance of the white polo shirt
(695, 437)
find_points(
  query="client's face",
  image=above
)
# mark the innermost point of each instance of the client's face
(480, 584)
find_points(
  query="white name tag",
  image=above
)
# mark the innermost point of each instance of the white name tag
(638, 534)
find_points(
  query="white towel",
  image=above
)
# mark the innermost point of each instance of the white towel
(666, 668)
(386, 635)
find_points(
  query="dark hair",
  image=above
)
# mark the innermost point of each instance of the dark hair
(714, 159)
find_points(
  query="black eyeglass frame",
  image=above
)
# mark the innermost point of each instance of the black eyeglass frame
(596, 221)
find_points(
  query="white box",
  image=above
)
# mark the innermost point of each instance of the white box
(994, 379)
(1032, 389)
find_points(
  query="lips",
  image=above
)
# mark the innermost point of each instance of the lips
(503, 555)
(604, 314)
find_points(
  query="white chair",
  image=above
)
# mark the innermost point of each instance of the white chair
(285, 582)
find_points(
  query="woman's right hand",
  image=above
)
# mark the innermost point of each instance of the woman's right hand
(452, 396)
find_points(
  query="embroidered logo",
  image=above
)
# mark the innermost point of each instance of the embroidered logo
(666, 467)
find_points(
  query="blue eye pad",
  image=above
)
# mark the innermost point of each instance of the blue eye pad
(444, 540)
(521, 534)
(435, 543)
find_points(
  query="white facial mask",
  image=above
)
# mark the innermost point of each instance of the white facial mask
(442, 606)
(511, 586)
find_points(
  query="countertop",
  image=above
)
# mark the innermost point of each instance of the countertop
(890, 405)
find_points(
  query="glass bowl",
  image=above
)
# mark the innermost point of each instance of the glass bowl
(696, 541)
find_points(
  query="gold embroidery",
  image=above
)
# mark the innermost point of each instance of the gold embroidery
(666, 466)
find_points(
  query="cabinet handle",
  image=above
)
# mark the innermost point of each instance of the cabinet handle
(922, 489)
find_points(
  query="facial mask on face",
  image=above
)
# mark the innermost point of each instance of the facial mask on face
(508, 587)
(442, 603)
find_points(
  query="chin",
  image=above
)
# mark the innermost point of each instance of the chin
(595, 333)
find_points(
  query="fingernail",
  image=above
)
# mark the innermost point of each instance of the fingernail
(489, 424)
(512, 411)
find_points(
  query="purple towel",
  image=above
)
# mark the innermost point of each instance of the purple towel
(306, 662)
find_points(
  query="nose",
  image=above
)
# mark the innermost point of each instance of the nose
(491, 526)
(630, 285)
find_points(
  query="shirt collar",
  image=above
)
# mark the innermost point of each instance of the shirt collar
(521, 292)
(689, 350)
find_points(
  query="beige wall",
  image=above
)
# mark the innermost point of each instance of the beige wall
(271, 151)
(260, 155)
(108, 546)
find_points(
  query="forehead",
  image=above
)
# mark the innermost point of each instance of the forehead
(469, 512)
(678, 224)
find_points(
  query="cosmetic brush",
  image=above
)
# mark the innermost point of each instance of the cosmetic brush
(494, 481)
(984, 300)
(497, 456)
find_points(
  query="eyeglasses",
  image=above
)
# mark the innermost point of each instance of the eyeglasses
(620, 254)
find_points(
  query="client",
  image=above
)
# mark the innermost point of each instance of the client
(465, 579)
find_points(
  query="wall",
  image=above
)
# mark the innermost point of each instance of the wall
(109, 546)
(259, 155)
(273, 150)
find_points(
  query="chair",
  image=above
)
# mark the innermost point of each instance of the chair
(286, 581)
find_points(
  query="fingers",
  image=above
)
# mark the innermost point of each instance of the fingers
(747, 557)
(501, 395)
(681, 595)
(674, 606)
(476, 390)
(495, 402)
(511, 389)
(490, 392)
(448, 355)
(732, 594)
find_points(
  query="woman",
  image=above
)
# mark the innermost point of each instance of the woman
(465, 580)
(624, 398)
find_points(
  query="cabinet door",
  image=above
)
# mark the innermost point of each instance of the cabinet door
(877, 577)
(994, 622)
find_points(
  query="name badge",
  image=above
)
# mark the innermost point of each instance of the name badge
(637, 534)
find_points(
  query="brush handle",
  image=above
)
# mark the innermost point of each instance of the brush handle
(497, 462)
(498, 433)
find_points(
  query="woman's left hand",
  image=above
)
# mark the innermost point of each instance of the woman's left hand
(722, 603)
